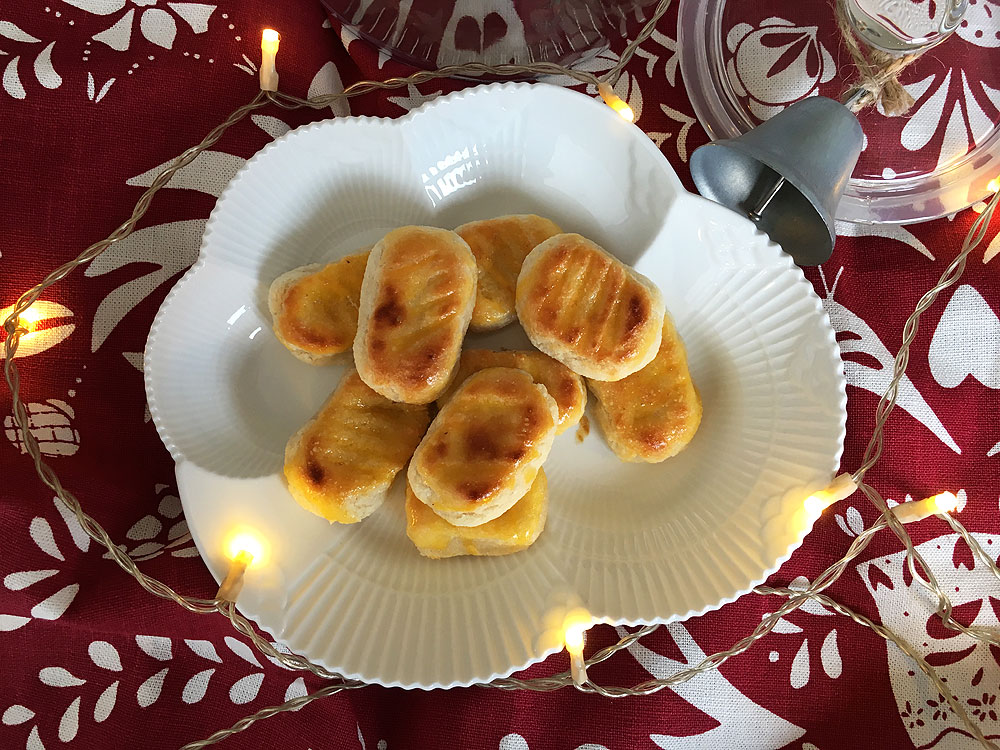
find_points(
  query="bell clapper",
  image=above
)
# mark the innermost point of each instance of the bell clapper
(762, 204)
(754, 213)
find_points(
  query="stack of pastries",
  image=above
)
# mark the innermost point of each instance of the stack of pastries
(475, 426)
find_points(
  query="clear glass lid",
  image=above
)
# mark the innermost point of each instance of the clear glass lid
(432, 34)
(743, 62)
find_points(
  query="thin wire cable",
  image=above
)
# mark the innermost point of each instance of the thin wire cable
(925, 576)
(12, 374)
(422, 76)
(887, 403)
(290, 660)
(290, 705)
(977, 548)
(903, 645)
(949, 277)
(607, 652)
(632, 47)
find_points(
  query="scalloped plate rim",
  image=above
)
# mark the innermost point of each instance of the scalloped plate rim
(787, 265)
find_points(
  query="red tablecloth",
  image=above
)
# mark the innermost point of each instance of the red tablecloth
(95, 96)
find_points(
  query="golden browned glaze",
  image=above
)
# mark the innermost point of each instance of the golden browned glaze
(564, 385)
(583, 430)
(515, 530)
(500, 246)
(489, 439)
(422, 293)
(587, 309)
(653, 414)
(319, 312)
(352, 448)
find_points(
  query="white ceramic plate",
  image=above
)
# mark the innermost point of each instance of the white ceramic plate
(631, 543)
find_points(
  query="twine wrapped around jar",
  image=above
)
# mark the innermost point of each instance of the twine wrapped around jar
(879, 71)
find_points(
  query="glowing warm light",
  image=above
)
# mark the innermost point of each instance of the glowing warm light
(574, 626)
(248, 547)
(841, 487)
(623, 109)
(994, 186)
(815, 505)
(42, 325)
(574, 629)
(616, 102)
(244, 558)
(574, 637)
(946, 502)
(28, 320)
(269, 40)
(918, 510)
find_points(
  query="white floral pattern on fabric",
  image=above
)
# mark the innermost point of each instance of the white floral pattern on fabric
(93, 93)
(414, 98)
(55, 604)
(859, 345)
(981, 24)
(966, 342)
(213, 668)
(108, 659)
(327, 81)
(952, 100)
(890, 231)
(157, 25)
(165, 532)
(28, 46)
(680, 141)
(672, 59)
(514, 741)
(909, 610)
(851, 522)
(51, 424)
(713, 694)
(174, 246)
(801, 669)
(776, 64)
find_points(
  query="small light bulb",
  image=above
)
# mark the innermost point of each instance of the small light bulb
(814, 506)
(994, 186)
(245, 549)
(574, 630)
(623, 110)
(918, 510)
(28, 320)
(574, 637)
(269, 40)
(946, 502)
(616, 103)
(246, 544)
(841, 487)
(244, 557)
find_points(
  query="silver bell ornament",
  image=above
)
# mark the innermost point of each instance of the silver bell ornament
(787, 174)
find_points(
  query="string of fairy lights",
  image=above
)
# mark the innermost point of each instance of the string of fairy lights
(245, 550)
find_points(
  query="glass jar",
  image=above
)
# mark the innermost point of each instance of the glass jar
(432, 33)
